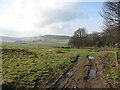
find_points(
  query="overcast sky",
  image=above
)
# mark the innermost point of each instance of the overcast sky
(24, 18)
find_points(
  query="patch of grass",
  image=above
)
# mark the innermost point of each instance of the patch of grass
(111, 69)
(28, 64)
(118, 54)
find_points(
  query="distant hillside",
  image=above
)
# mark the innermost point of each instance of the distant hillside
(6, 39)
(55, 37)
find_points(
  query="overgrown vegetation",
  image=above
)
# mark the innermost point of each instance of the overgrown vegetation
(36, 67)
(24, 67)
(111, 69)
(110, 36)
(26, 64)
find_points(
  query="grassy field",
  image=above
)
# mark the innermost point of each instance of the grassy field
(27, 66)
(49, 43)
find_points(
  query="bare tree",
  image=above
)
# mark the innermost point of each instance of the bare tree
(111, 15)
(79, 38)
(81, 32)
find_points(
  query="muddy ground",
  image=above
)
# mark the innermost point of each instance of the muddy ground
(84, 74)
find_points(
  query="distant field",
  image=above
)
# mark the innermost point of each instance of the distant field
(49, 43)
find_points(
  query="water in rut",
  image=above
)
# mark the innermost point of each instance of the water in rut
(82, 76)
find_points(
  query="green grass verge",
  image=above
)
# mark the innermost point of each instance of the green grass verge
(23, 65)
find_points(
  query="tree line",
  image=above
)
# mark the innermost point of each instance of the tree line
(110, 36)
(99, 39)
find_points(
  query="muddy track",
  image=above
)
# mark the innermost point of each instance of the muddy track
(83, 75)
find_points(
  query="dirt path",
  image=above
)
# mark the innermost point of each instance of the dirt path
(83, 75)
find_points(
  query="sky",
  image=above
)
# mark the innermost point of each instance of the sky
(26, 18)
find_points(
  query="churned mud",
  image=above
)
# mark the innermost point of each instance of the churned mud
(84, 75)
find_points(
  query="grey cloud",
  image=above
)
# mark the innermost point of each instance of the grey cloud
(65, 29)
(8, 31)
(70, 12)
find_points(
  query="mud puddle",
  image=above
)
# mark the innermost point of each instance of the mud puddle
(82, 75)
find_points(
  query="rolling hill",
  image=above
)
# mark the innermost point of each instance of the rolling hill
(55, 37)
(44, 37)
(44, 41)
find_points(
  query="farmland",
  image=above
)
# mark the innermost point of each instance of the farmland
(32, 67)
(46, 41)
(30, 64)
(62, 45)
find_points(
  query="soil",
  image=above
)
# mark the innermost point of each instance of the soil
(21, 51)
(84, 73)
(79, 76)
